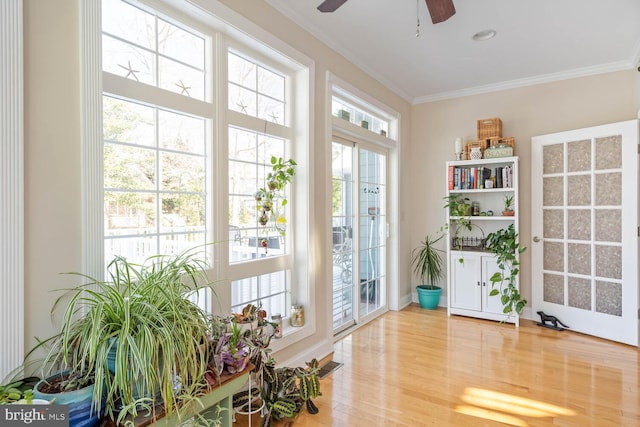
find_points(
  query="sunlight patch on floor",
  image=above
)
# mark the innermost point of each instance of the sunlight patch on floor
(496, 406)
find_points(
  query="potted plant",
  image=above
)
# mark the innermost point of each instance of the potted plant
(74, 389)
(20, 391)
(504, 244)
(427, 265)
(457, 205)
(137, 333)
(508, 203)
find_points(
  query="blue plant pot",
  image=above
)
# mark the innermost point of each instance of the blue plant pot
(139, 390)
(428, 298)
(78, 401)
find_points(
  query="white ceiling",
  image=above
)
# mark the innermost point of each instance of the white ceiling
(536, 41)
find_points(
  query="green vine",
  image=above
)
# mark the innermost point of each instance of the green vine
(504, 244)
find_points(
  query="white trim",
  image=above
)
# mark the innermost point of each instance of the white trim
(91, 134)
(11, 186)
(530, 81)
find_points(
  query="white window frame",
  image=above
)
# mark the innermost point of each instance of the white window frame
(231, 29)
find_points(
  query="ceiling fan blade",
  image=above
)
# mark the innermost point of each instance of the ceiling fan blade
(330, 5)
(440, 10)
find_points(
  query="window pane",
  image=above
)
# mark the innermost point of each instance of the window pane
(269, 146)
(242, 145)
(178, 243)
(270, 109)
(180, 78)
(182, 212)
(271, 84)
(242, 72)
(129, 213)
(269, 290)
(129, 23)
(129, 168)
(126, 60)
(180, 44)
(136, 249)
(181, 172)
(243, 179)
(181, 133)
(242, 100)
(128, 122)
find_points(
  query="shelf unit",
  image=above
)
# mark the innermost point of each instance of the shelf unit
(470, 267)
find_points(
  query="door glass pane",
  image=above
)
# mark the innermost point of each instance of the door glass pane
(342, 231)
(579, 293)
(372, 227)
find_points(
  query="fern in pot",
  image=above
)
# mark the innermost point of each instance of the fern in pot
(427, 264)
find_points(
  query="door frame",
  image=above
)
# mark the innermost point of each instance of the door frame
(597, 324)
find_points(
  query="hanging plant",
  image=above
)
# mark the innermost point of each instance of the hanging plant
(504, 244)
(271, 199)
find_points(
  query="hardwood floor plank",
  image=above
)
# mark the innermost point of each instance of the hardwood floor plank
(421, 368)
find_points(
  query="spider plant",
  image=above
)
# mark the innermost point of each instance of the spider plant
(138, 333)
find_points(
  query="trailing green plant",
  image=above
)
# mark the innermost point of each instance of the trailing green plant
(138, 334)
(282, 172)
(504, 244)
(20, 391)
(427, 261)
(457, 204)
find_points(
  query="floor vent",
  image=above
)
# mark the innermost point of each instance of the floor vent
(328, 368)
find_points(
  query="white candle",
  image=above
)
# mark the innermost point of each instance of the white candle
(458, 145)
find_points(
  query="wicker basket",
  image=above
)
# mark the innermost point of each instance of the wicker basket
(489, 128)
(473, 144)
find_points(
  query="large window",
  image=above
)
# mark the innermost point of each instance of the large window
(155, 155)
(256, 90)
(176, 154)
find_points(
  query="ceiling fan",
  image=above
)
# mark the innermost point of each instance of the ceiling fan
(440, 10)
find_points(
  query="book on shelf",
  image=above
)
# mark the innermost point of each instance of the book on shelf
(474, 178)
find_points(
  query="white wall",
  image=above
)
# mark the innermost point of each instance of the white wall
(525, 112)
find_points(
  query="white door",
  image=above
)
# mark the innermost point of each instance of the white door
(584, 227)
(490, 304)
(466, 287)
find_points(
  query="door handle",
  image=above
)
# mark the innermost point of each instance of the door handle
(536, 239)
(478, 283)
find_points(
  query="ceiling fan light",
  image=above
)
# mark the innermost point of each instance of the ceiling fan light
(484, 35)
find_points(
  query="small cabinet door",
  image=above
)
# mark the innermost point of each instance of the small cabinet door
(465, 281)
(490, 304)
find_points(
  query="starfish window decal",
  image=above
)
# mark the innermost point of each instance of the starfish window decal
(274, 117)
(130, 71)
(184, 89)
(243, 108)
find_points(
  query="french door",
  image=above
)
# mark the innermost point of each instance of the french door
(359, 224)
(584, 202)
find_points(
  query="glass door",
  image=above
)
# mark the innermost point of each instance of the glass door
(359, 234)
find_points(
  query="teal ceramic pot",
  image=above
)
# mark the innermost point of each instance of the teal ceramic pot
(78, 401)
(428, 298)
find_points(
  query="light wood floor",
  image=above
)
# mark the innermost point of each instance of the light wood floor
(421, 368)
